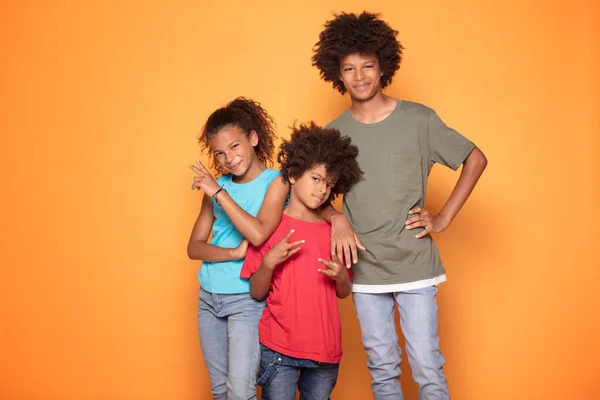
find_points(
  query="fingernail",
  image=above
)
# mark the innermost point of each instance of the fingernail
(303, 241)
(355, 261)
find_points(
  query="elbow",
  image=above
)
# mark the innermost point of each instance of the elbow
(256, 294)
(477, 160)
(258, 238)
(483, 162)
(192, 254)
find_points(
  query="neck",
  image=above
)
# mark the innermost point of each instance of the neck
(373, 110)
(256, 168)
(297, 210)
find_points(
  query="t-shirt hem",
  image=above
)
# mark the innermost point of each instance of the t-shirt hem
(399, 287)
(303, 356)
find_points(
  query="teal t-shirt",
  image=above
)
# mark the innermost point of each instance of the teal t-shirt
(223, 277)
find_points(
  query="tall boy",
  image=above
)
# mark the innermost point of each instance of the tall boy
(399, 141)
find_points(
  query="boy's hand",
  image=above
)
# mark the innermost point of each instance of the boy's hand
(204, 180)
(334, 269)
(344, 242)
(281, 251)
(433, 223)
(240, 251)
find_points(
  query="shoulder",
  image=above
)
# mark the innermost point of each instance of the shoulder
(339, 121)
(270, 174)
(415, 109)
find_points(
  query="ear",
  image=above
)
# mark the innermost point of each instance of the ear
(253, 137)
(290, 178)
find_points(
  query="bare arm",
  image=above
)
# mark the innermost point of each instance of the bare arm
(473, 167)
(256, 230)
(260, 282)
(344, 241)
(199, 249)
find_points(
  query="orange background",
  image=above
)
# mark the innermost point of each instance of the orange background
(100, 107)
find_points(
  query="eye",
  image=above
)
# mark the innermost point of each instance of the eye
(348, 69)
(330, 187)
(217, 154)
(368, 66)
(235, 146)
(316, 179)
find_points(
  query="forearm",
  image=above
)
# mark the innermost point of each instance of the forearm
(472, 169)
(255, 231)
(199, 250)
(343, 289)
(327, 211)
(260, 282)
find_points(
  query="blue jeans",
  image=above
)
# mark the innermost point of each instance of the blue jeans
(418, 319)
(279, 375)
(228, 326)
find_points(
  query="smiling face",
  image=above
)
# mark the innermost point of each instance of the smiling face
(313, 188)
(361, 75)
(234, 149)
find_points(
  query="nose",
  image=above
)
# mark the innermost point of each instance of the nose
(359, 75)
(228, 157)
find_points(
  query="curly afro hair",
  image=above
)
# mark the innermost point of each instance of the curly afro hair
(352, 33)
(311, 145)
(248, 115)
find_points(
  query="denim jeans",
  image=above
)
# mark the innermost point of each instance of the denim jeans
(279, 375)
(228, 327)
(418, 320)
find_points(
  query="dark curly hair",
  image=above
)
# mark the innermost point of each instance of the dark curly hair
(352, 33)
(311, 145)
(249, 116)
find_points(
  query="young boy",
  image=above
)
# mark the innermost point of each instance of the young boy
(300, 330)
(399, 142)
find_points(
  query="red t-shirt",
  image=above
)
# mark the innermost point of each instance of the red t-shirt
(302, 318)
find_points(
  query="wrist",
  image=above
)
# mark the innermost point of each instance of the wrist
(216, 194)
(336, 215)
(267, 265)
(444, 219)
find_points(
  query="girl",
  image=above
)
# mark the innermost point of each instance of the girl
(246, 201)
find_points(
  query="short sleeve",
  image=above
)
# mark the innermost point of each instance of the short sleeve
(446, 146)
(254, 257)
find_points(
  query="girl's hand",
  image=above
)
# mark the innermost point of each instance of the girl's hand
(281, 251)
(204, 180)
(240, 251)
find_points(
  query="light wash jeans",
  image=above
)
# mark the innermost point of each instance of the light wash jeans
(419, 323)
(228, 327)
(280, 375)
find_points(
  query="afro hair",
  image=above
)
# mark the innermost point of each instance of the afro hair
(351, 33)
(311, 145)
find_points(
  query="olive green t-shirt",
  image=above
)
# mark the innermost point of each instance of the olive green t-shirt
(396, 156)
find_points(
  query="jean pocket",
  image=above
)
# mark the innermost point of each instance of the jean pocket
(266, 376)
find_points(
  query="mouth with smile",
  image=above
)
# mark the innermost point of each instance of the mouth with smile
(362, 87)
(233, 167)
